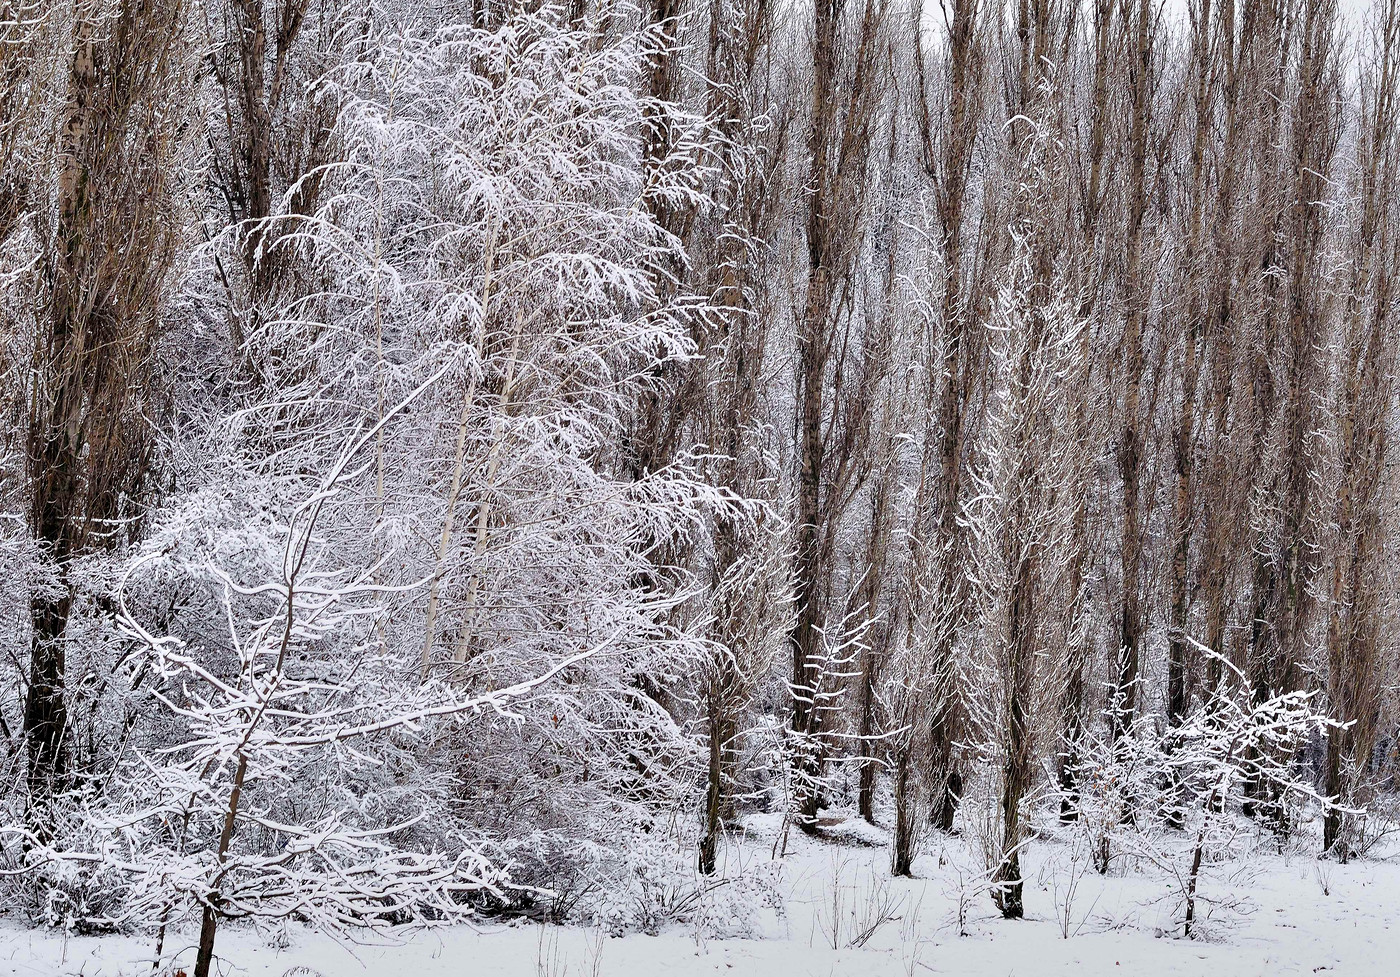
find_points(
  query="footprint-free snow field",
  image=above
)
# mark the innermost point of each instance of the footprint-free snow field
(1267, 914)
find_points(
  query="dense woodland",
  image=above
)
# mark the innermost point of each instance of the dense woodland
(456, 454)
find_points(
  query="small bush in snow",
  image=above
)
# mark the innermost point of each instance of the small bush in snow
(656, 884)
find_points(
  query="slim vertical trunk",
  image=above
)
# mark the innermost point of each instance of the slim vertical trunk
(949, 137)
(57, 430)
(1019, 767)
(872, 660)
(1184, 441)
(250, 32)
(1072, 712)
(868, 600)
(902, 851)
(209, 919)
(664, 420)
(1365, 416)
(733, 275)
(1132, 438)
(1269, 56)
(1089, 264)
(1221, 507)
(814, 344)
(1286, 564)
(264, 64)
(849, 74)
(719, 733)
(104, 262)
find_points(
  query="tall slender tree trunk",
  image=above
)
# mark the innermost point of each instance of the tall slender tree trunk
(58, 426)
(948, 145)
(102, 265)
(1365, 416)
(1019, 766)
(1132, 437)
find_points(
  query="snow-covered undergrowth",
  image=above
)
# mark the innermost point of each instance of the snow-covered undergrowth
(830, 907)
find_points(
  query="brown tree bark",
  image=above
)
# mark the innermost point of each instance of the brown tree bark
(951, 112)
(1132, 439)
(734, 275)
(105, 263)
(835, 396)
(1364, 413)
(1089, 263)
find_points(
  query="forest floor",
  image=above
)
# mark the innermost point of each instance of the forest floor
(1269, 913)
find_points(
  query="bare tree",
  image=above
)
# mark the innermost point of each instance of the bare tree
(747, 574)
(1204, 82)
(1287, 370)
(1021, 515)
(838, 366)
(1021, 520)
(951, 109)
(106, 260)
(275, 137)
(1362, 530)
(1090, 270)
(1139, 34)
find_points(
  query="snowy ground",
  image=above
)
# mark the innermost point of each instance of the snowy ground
(1288, 925)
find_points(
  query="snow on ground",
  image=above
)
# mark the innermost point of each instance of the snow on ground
(1302, 917)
